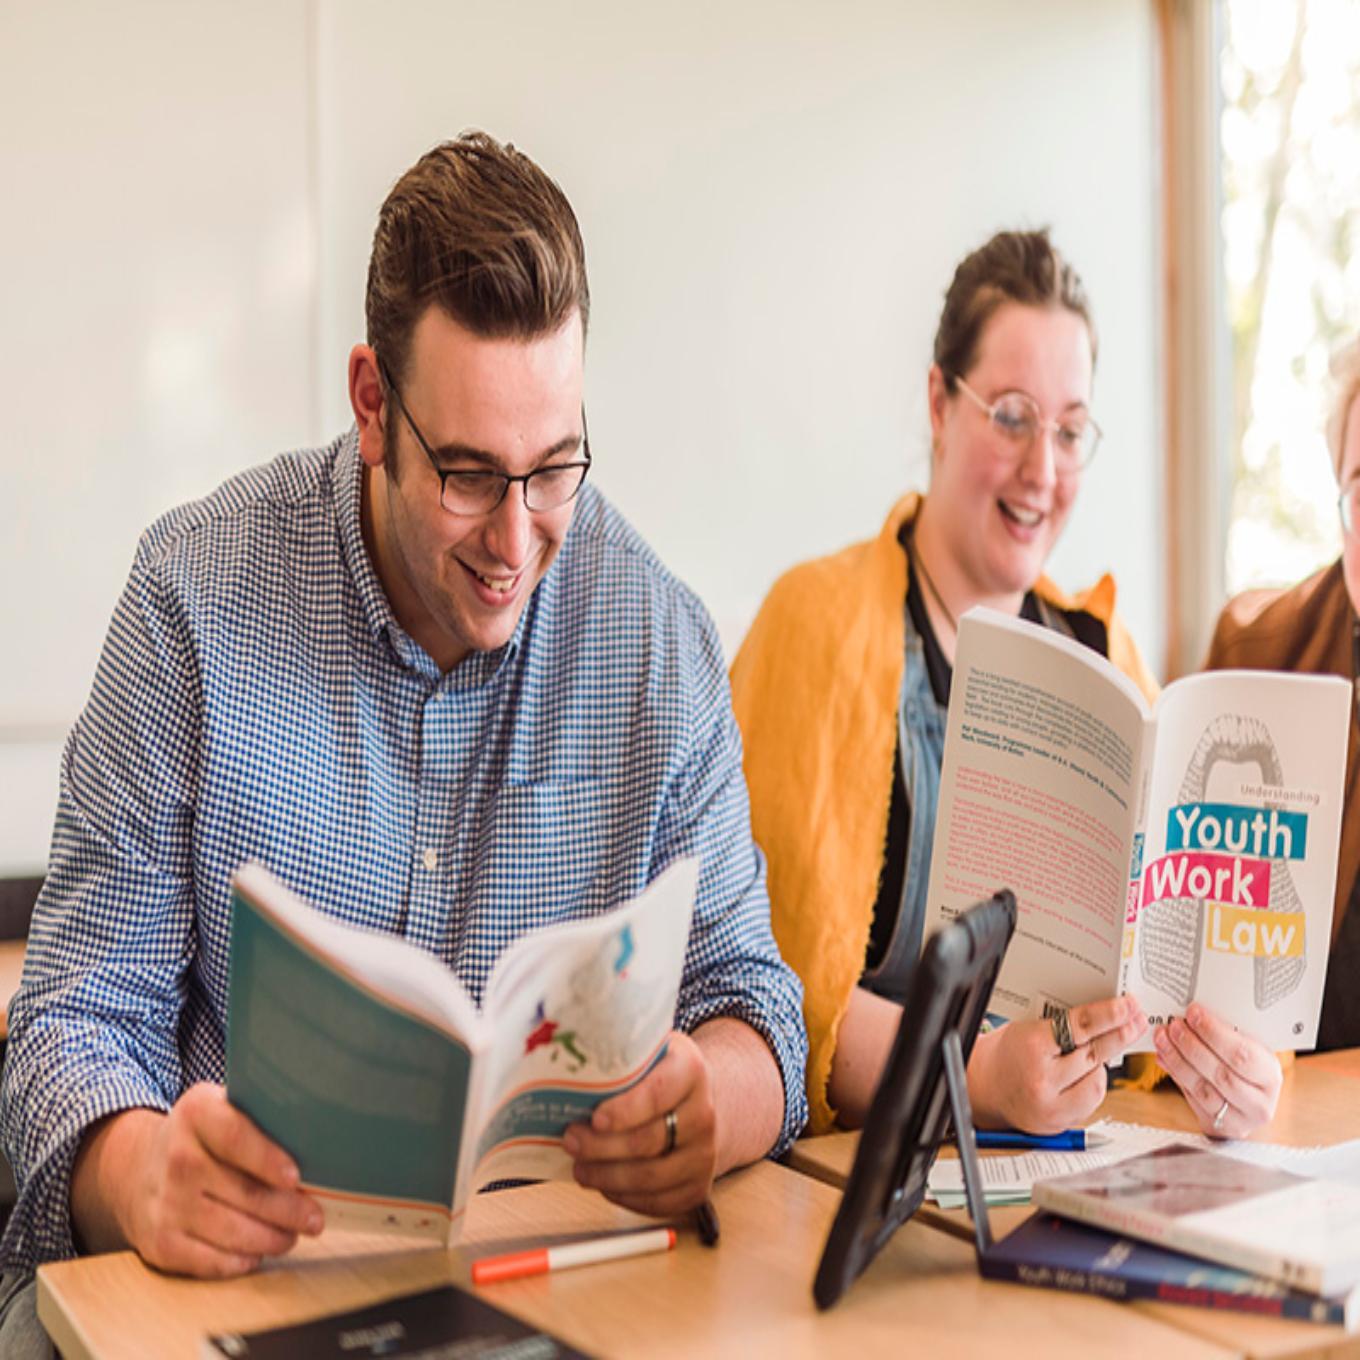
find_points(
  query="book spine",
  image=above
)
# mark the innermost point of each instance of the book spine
(1296, 1306)
(1111, 1285)
(1133, 890)
(1073, 1280)
(1118, 1218)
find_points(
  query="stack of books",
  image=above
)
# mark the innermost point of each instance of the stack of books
(1185, 1224)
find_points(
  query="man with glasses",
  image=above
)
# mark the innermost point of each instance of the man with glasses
(434, 681)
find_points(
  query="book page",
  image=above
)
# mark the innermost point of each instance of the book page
(1239, 864)
(578, 1013)
(403, 976)
(1042, 768)
(1010, 1180)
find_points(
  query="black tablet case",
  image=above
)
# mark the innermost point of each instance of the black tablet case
(922, 1087)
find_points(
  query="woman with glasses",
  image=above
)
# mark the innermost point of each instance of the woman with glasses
(842, 685)
(1314, 627)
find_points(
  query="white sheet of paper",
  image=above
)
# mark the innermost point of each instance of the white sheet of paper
(1010, 1180)
(1340, 1162)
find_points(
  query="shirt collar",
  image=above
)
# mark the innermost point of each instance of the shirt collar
(348, 487)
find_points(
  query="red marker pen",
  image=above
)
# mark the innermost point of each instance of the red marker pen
(516, 1264)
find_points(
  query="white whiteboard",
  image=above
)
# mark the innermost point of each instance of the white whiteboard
(160, 312)
(773, 197)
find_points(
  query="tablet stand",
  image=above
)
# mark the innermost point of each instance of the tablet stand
(957, 1078)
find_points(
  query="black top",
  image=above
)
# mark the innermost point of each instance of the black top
(1083, 627)
(1339, 1026)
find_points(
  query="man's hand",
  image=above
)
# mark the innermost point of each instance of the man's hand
(623, 1152)
(199, 1191)
(1231, 1081)
(725, 1090)
(1018, 1076)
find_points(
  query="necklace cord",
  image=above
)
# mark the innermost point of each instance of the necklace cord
(920, 566)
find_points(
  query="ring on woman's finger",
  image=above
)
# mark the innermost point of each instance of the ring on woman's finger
(1061, 1024)
(672, 1126)
(1218, 1118)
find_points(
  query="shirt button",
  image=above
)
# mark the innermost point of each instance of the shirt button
(431, 859)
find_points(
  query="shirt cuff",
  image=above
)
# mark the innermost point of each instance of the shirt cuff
(40, 1226)
(787, 1041)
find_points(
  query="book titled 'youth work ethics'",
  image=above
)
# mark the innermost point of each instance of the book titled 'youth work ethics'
(1179, 851)
(1051, 1252)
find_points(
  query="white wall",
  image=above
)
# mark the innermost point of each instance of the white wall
(158, 240)
(773, 197)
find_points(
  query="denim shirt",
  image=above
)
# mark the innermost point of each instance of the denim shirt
(921, 722)
(258, 699)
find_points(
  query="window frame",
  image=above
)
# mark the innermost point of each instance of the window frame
(1196, 358)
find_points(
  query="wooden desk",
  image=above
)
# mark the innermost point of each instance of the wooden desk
(749, 1297)
(11, 968)
(1319, 1103)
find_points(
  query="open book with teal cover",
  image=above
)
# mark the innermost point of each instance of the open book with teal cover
(365, 1058)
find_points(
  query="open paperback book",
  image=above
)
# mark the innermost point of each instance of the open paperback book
(1181, 851)
(365, 1058)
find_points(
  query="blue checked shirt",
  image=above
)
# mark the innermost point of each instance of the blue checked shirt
(256, 698)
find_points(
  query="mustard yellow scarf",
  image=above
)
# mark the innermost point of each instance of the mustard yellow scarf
(815, 687)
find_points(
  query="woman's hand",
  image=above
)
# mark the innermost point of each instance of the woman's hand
(1018, 1076)
(1231, 1080)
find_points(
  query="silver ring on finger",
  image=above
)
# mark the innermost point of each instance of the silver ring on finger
(1061, 1024)
(672, 1127)
(1218, 1118)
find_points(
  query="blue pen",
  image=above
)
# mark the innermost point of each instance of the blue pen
(1069, 1140)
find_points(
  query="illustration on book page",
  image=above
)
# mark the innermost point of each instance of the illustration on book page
(1262, 840)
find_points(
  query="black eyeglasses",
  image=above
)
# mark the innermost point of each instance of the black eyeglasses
(464, 491)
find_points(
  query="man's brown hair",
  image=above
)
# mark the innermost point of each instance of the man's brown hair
(476, 228)
(1014, 266)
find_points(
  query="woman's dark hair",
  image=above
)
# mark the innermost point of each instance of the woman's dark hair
(1014, 266)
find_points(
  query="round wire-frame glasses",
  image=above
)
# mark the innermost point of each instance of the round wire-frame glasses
(1017, 418)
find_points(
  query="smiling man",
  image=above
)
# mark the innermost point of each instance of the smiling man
(436, 682)
(459, 559)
